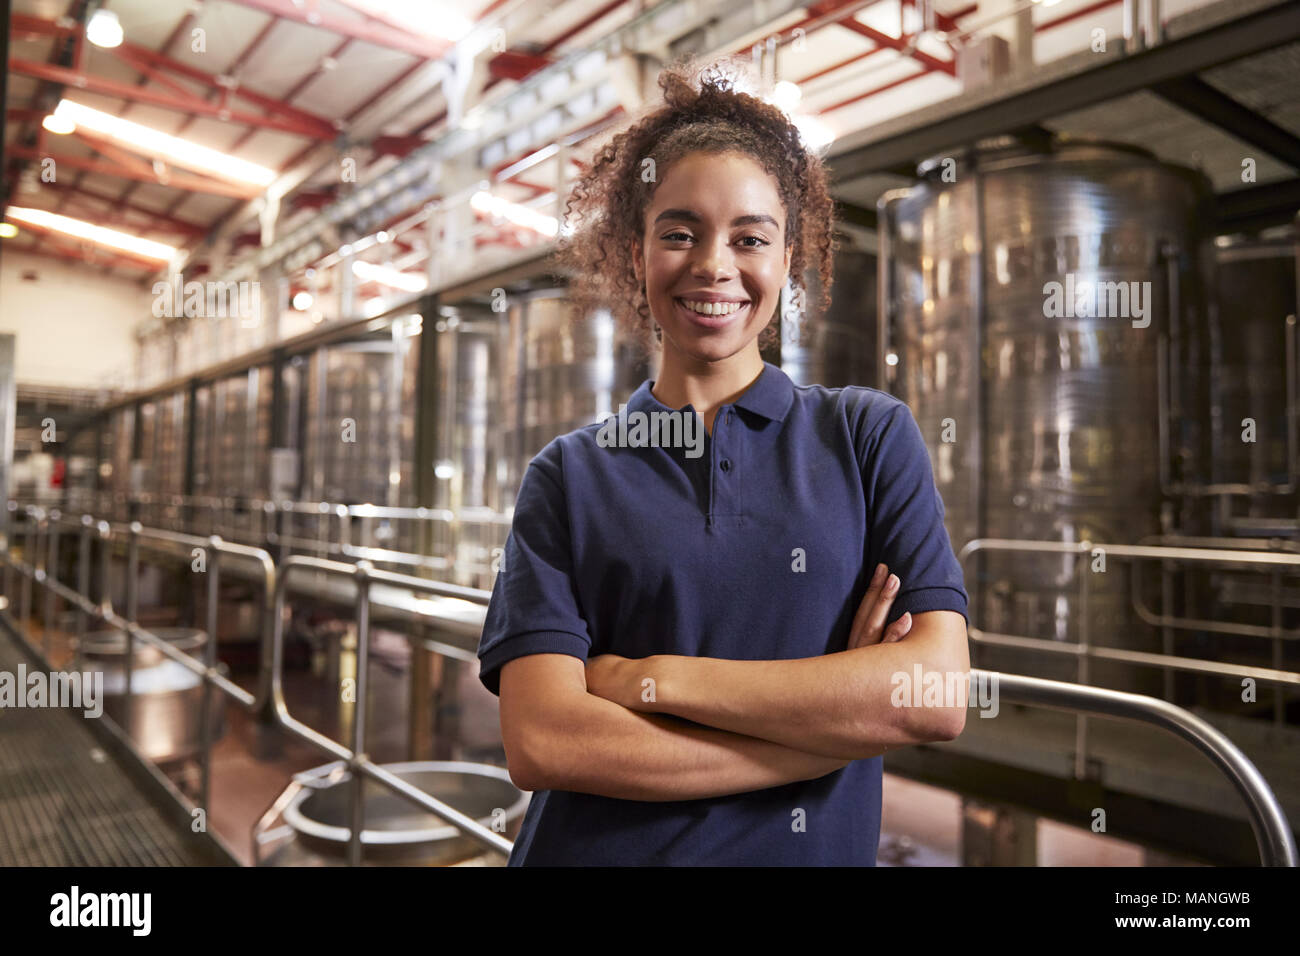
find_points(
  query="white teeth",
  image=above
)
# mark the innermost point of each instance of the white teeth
(712, 308)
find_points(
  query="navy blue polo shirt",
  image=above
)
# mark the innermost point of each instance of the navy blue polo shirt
(761, 548)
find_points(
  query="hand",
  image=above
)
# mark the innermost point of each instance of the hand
(869, 623)
(618, 679)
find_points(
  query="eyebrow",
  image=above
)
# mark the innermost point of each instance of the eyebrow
(688, 215)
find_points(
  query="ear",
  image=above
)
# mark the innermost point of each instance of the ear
(637, 259)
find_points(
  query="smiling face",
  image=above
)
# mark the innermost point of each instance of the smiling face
(713, 256)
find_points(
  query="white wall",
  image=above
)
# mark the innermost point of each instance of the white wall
(73, 324)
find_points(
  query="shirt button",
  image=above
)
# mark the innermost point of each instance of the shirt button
(726, 464)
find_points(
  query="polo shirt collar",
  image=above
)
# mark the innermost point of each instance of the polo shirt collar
(771, 396)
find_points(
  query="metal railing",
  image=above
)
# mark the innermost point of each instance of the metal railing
(1084, 650)
(322, 528)
(39, 535)
(1273, 835)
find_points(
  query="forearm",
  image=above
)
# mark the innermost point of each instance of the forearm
(592, 745)
(844, 704)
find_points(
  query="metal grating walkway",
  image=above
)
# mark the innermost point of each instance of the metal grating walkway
(65, 801)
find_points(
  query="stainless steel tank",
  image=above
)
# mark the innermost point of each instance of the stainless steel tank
(355, 452)
(1044, 419)
(1256, 388)
(395, 832)
(167, 699)
(560, 372)
(470, 458)
(836, 346)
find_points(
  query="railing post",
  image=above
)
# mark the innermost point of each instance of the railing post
(32, 558)
(1085, 638)
(210, 659)
(1279, 695)
(362, 578)
(51, 574)
(132, 608)
(12, 511)
(83, 584)
(105, 532)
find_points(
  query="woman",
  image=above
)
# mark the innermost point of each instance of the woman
(688, 669)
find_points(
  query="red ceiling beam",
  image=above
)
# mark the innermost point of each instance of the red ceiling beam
(879, 89)
(193, 104)
(57, 242)
(153, 62)
(95, 259)
(898, 44)
(175, 179)
(158, 221)
(308, 13)
(129, 155)
(516, 65)
(395, 145)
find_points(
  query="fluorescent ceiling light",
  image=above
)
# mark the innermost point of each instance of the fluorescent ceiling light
(180, 151)
(104, 29)
(96, 234)
(485, 202)
(59, 124)
(406, 281)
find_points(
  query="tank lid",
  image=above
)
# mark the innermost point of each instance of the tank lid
(1013, 149)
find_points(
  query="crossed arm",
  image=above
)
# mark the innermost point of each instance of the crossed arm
(708, 727)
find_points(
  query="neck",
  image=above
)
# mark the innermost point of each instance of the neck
(706, 386)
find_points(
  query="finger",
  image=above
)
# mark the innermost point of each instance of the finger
(875, 622)
(858, 631)
(899, 629)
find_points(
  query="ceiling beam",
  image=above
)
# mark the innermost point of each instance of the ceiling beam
(1256, 207)
(174, 179)
(1092, 78)
(192, 104)
(152, 62)
(1204, 101)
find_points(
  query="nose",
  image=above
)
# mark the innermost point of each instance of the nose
(713, 260)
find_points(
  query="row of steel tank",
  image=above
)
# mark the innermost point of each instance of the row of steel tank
(1098, 420)
(1041, 426)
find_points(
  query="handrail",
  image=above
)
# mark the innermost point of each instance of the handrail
(1272, 832)
(1085, 650)
(364, 574)
(1273, 836)
(269, 698)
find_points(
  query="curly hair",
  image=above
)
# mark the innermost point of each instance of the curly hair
(702, 112)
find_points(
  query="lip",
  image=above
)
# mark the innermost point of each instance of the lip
(711, 321)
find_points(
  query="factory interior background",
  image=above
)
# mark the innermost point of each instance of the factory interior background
(280, 333)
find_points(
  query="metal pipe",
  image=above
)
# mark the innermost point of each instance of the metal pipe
(1132, 27)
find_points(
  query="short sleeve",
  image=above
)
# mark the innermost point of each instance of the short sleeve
(905, 518)
(534, 607)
